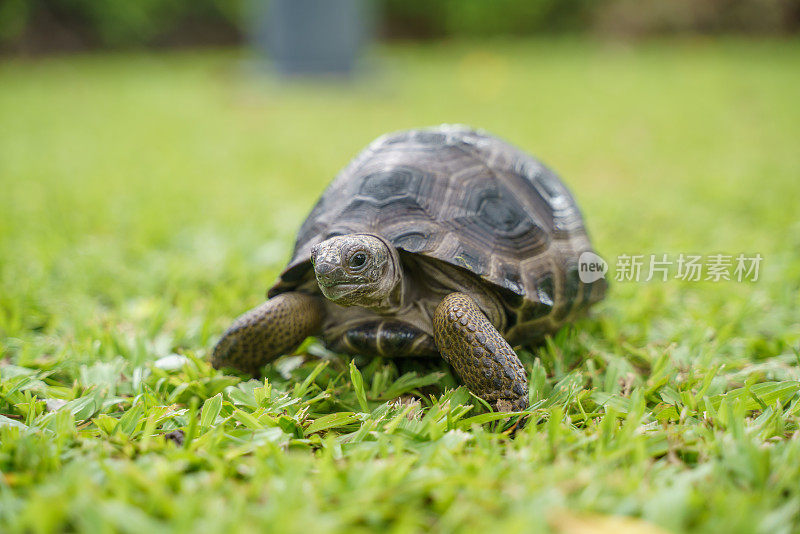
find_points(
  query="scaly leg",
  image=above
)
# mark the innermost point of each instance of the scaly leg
(262, 334)
(483, 359)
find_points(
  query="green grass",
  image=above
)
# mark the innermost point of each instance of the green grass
(146, 200)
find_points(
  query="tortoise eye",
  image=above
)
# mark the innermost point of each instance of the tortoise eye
(358, 260)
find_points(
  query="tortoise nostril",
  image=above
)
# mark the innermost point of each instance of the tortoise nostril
(323, 268)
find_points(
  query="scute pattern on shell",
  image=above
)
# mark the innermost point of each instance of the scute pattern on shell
(466, 198)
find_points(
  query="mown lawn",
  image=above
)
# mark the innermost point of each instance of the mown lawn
(146, 200)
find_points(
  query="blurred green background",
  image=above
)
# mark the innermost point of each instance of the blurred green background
(47, 25)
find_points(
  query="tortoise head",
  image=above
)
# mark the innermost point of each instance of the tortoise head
(358, 270)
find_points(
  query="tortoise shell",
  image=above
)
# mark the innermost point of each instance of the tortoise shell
(471, 200)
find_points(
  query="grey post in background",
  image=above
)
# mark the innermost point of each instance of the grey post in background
(308, 37)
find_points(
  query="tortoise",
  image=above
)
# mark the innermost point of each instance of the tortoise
(444, 241)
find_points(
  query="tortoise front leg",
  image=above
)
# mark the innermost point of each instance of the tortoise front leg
(483, 359)
(270, 330)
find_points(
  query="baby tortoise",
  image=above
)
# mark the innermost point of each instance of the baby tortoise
(443, 241)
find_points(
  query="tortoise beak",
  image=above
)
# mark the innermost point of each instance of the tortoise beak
(337, 292)
(333, 281)
(328, 273)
